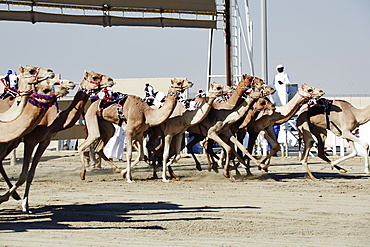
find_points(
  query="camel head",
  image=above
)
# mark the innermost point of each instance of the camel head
(309, 92)
(254, 93)
(248, 81)
(30, 75)
(263, 104)
(215, 90)
(266, 89)
(45, 96)
(61, 87)
(93, 82)
(179, 86)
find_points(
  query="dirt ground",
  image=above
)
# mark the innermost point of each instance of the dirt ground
(279, 208)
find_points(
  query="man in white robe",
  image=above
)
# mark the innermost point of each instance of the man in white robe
(281, 82)
(116, 144)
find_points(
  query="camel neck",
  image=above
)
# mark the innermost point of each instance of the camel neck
(285, 112)
(69, 117)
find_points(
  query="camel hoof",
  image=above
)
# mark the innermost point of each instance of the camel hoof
(199, 168)
(130, 181)
(367, 170)
(123, 173)
(118, 170)
(226, 174)
(340, 169)
(265, 168)
(165, 180)
(82, 176)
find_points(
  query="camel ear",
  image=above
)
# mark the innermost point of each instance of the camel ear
(304, 85)
(21, 69)
(85, 73)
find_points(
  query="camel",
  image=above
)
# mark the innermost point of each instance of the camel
(27, 116)
(341, 118)
(28, 78)
(218, 122)
(262, 105)
(245, 83)
(44, 104)
(135, 116)
(178, 125)
(263, 124)
(257, 84)
(51, 124)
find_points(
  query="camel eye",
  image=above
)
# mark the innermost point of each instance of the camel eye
(32, 71)
(309, 90)
(46, 91)
(95, 78)
(219, 88)
(56, 83)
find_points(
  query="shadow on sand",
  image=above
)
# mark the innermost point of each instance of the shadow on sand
(93, 216)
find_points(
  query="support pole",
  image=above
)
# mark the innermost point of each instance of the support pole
(209, 65)
(264, 41)
(228, 42)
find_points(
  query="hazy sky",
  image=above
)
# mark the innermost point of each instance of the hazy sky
(324, 43)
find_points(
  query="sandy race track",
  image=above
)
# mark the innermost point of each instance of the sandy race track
(279, 208)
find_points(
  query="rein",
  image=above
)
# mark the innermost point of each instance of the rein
(35, 76)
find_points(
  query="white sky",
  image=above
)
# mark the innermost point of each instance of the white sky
(324, 43)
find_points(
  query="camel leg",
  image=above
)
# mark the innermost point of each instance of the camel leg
(105, 158)
(351, 139)
(210, 154)
(127, 172)
(275, 147)
(166, 152)
(304, 132)
(216, 138)
(244, 150)
(189, 146)
(179, 139)
(251, 142)
(31, 173)
(28, 149)
(7, 150)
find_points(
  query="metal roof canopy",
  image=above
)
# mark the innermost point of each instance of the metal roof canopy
(163, 13)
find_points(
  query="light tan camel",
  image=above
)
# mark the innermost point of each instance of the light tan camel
(263, 124)
(52, 123)
(28, 78)
(178, 125)
(138, 117)
(33, 111)
(218, 123)
(342, 118)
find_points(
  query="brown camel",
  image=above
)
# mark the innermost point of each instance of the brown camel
(137, 116)
(52, 123)
(263, 124)
(218, 122)
(341, 118)
(245, 83)
(262, 105)
(257, 84)
(178, 125)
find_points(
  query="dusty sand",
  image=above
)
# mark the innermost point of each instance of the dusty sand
(279, 208)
